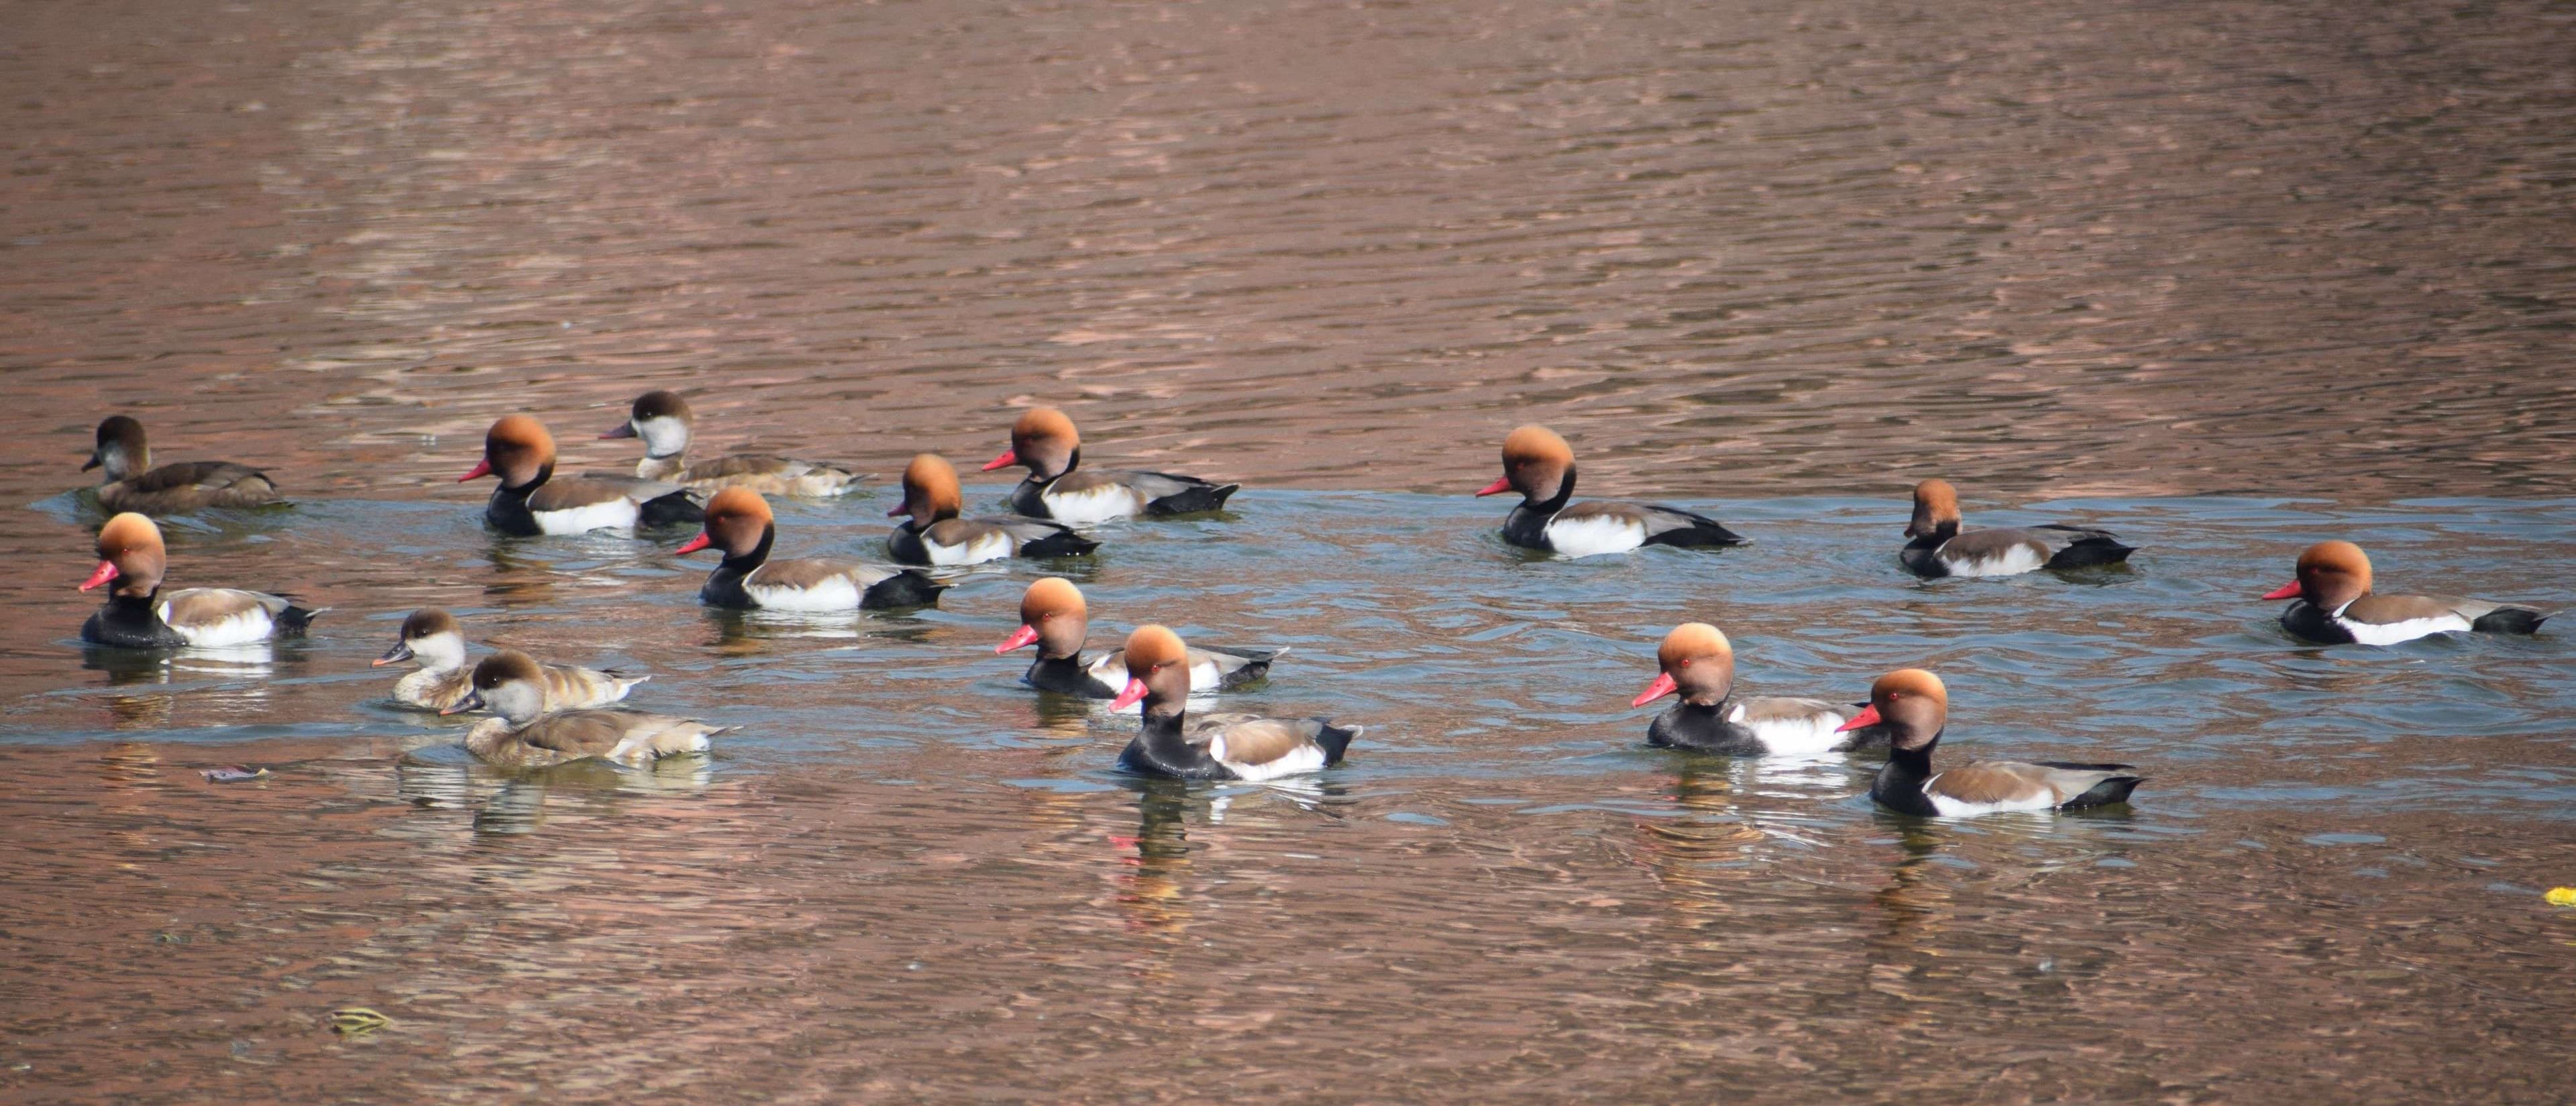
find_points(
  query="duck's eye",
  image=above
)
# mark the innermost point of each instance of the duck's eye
(1685, 663)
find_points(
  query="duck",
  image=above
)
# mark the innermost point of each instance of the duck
(1940, 548)
(1913, 707)
(138, 616)
(525, 734)
(740, 525)
(2335, 605)
(132, 484)
(934, 535)
(663, 420)
(532, 500)
(1053, 617)
(1215, 746)
(432, 637)
(1699, 665)
(1044, 441)
(1539, 465)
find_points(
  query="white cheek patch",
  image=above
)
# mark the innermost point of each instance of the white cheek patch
(2011, 562)
(839, 593)
(981, 548)
(1100, 504)
(616, 514)
(1588, 537)
(2390, 633)
(240, 629)
(664, 436)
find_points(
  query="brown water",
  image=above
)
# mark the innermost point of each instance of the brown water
(2227, 278)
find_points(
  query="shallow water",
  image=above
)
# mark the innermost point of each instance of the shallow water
(2225, 279)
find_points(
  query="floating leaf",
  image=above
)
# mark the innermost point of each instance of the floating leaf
(357, 1021)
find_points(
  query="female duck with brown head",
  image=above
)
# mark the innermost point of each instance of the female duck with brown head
(1940, 548)
(936, 536)
(1054, 618)
(740, 525)
(1045, 441)
(1216, 746)
(432, 637)
(139, 616)
(1913, 707)
(1699, 665)
(1540, 466)
(2336, 606)
(132, 484)
(532, 500)
(663, 420)
(526, 735)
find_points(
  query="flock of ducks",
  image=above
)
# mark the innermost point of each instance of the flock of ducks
(545, 714)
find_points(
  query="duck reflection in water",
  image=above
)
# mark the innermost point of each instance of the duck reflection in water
(515, 802)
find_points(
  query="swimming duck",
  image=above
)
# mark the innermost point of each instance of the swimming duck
(138, 616)
(1539, 465)
(1940, 548)
(1215, 746)
(2336, 606)
(1054, 618)
(1044, 441)
(525, 735)
(934, 535)
(132, 484)
(1699, 665)
(739, 524)
(663, 420)
(432, 637)
(532, 500)
(1914, 707)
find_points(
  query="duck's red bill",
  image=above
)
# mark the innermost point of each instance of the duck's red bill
(1499, 486)
(694, 544)
(481, 468)
(1662, 686)
(105, 572)
(1019, 637)
(1135, 690)
(1868, 717)
(2286, 591)
(1008, 458)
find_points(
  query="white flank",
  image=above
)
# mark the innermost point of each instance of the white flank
(616, 514)
(1100, 504)
(984, 548)
(2390, 633)
(240, 629)
(639, 746)
(2041, 799)
(839, 593)
(1308, 757)
(1794, 737)
(2014, 561)
(1587, 537)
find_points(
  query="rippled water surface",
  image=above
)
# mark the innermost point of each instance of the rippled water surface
(2225, 278)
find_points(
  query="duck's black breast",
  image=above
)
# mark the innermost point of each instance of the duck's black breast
(1703, 729)
(2309, 621)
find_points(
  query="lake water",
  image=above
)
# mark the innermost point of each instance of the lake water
(2224, 279)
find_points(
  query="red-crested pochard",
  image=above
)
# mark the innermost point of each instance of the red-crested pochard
(137, 615)
(739, 524)
(2335, 605)
(663, 420)
(432, 637)
(934, 535)
(1053, 617)
(1044, 440)
(132, 484)
(532, 500)
(1699, 664)
(526, 735)
(1940, 548)
(1540, 466)
(1912, 706)
(1215, 746)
